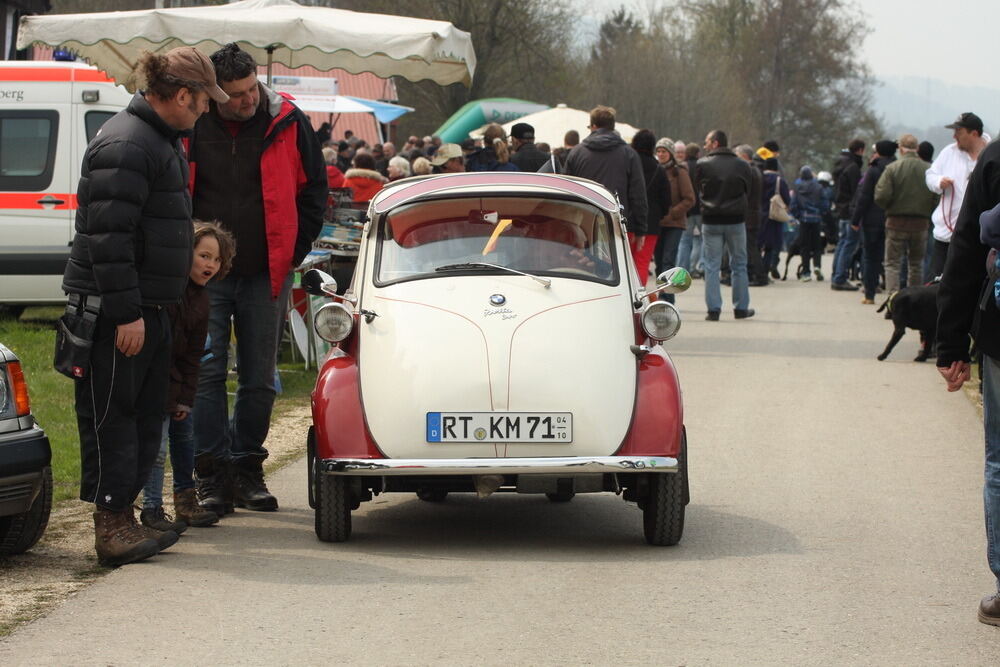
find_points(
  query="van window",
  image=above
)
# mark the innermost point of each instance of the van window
(27, 149)
(94, 120)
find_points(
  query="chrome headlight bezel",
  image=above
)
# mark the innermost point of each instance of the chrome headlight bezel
(660, 320)
(333, 322)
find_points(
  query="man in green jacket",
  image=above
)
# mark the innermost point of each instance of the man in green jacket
(902, 193)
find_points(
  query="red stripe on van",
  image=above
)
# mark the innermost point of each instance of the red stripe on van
(52, 74)
(29, 200)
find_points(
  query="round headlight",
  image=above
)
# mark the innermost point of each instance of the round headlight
(660, 320)
(333, 322)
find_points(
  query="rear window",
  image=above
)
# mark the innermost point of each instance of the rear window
(27, 149)
(543, 237)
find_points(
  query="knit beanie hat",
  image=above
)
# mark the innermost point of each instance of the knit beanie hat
(666, 143)
(886, 148)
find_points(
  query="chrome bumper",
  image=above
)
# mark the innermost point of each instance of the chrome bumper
(498, 466)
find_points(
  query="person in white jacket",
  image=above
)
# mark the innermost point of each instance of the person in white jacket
(948, 176)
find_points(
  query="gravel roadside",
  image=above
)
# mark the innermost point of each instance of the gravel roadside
(63, 562)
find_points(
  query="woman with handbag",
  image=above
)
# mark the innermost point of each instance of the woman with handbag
(775, 198)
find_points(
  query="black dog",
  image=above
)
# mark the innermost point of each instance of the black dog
(916, 308)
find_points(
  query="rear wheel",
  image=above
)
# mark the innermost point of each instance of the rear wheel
(663, 510)
(20, 532)
(333, 508)
(560, 496)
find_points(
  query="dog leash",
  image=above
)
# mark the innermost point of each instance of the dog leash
(947, 212)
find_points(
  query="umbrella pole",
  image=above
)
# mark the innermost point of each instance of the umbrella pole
(270, 55)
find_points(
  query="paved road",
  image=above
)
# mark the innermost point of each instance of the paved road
(836, 519)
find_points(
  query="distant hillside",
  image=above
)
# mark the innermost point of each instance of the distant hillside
(924, 106)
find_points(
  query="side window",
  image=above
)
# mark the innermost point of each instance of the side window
(93, 120)
(27, 149)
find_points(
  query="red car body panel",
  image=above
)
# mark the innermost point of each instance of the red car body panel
(658, 417)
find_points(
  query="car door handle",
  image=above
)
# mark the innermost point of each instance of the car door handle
(49, 199)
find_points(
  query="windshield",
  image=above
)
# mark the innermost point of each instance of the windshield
(537, 236)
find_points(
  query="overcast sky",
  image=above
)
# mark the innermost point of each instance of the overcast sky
(951, 40)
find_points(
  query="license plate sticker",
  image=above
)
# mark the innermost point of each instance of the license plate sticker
(551, 427)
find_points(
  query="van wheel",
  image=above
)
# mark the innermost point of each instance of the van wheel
(20, 532)
(560, 496)
(333, 508)
(432, 495)
(663, 510)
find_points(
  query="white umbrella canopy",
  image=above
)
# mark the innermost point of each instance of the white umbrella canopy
(271, 30)
(551, 125)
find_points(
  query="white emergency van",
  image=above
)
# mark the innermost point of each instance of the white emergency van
(49, 111)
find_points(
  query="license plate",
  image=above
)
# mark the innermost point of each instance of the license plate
(554, 427)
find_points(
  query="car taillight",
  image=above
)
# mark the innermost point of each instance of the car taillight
(20, 388)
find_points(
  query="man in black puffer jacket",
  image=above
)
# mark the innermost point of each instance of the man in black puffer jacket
(132, 252)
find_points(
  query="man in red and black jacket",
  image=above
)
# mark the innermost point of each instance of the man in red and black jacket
(257, 168)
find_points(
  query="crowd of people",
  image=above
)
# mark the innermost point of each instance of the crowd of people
(197, 202)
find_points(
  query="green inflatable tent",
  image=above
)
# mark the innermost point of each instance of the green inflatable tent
(477, 113)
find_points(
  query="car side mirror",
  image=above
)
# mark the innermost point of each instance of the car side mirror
(319, 283)
(671, 281)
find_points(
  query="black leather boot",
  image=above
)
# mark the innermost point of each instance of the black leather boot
(249, 489)
(213, 485)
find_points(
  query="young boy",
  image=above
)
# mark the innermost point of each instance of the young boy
(214, 249)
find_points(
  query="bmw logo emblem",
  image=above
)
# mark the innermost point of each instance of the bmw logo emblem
(498, 299)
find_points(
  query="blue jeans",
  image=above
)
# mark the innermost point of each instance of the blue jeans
(245, 303)
(180, 435)
(733, 238)
(666, 253)
(874, 240)
(991, 488)
(690, 246)
(847, 245)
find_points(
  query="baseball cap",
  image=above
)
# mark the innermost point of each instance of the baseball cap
(187, 62)
(522, 131)
(969, 121)
(446, 152)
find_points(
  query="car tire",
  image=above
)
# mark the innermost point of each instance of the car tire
(432, 495)
(311, 466)
(333, 508)
(20, 532)
(663, 510)
(560, 496)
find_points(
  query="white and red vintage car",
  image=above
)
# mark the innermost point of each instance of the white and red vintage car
(495, 338)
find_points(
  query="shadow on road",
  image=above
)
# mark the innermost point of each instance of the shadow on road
(282, 547)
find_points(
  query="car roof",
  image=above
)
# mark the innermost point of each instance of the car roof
(492, 183)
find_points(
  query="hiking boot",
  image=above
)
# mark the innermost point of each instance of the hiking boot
(249, 489)
(744, 314)
(989, 610)
(190, 512)
(819, 275)
(866, 301)
(844, 287)
(159, 520)
(164, 538)
(713, 316)
(117, 542)
(214, 489)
